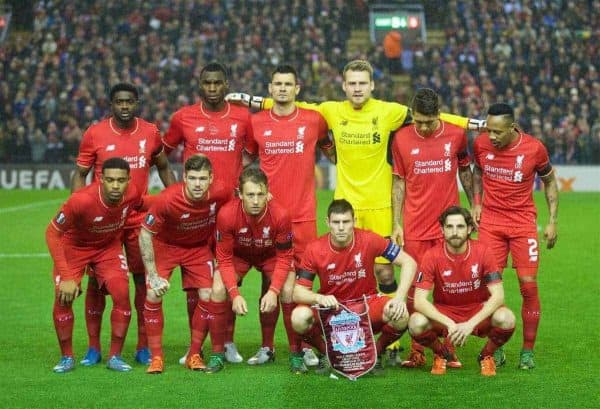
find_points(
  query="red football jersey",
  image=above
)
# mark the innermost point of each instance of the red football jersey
(428, 166)
(176, 220)
(219, 135)
(508, 177)
(138, 146)
(87, 221)
(286, 146)
(254, 239)
(458, 279)
(346, 273)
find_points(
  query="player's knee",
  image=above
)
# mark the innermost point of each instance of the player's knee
(204, 294)
(418, 323)
(302, 319)
(503, 318)
(285, 296)
(399, 324)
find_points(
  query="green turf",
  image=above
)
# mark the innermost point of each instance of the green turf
(566, 355)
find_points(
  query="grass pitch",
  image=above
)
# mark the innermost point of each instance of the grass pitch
(566, 352)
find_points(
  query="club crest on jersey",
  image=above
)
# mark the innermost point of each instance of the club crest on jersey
(358, 260)
(347, 336)
(447, 148)
(415, 151)
(266, 232)
(474, 270)
(61, 218)
(142, 146)
(110, 148)
(519, 161)
(98, 219)
(301, 131)
(233, 130)
(150, 220)
(212, 209)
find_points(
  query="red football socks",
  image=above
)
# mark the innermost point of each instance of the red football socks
(154, 321)
(530, 313)
(63, 324)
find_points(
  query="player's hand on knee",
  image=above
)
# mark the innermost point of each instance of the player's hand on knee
(268, 302)
(158, 285)
(395, 309)
(68, 290)
(460, 333)
(327, 301)
(239, 306)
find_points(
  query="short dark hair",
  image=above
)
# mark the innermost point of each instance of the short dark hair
(453, 210)
(198, 162)
(340, 206)
(124, 86)
(214, 66)
(115, 163)
(285, 69)
(253, 174)
(426, 102)
(503, 109)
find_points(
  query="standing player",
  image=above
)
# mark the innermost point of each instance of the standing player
(285, 139)
(179, 227)
(507, 161)
(468, 295)
(86, 233)
(343, 260)
(426, 157)
(218, 130)
(252, 232)
(139, 143)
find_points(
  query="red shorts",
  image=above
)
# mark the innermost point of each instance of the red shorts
(108, 263)
(197, 264)
(266, 266)
(376, 305)
(132, 251)
(304, 233)
(417, 248)
(460, 314)
(520, 241)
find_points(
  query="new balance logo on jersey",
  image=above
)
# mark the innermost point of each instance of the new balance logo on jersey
(331, 266)
(301, 131)
(233, 130)
(268, 132)
(266, 232)
(299, 147)
(185, 216)
(519, 161)
(447, 273)
(142, 146)
(447, 148)
(490, 156)
(415, 151)
(474, 270)
(357, 260)
(110, 148)
(243, 230)
(98, 219)
(199, 129)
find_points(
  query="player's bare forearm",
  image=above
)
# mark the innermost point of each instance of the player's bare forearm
(407, 275)
(492, 304)
(426, 307)
(302, 295)
(78, 179)
(398, 194)
(477, 184)
(466, 180)
(164, 169)
(551, 193)
(330, 154)
(147, 251)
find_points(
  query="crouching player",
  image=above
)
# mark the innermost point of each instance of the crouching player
(344, 261)
(468, 295)
(254, 232)
(86, 233)
(178, 231)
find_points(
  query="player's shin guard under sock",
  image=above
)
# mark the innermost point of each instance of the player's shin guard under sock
(268, 321)
(199, 326)
(294, 339)
(430, 339)
(230, 319)
(389, 289)
(496, 338)
(388, 335)
(154, 320)
(63, 324)
(95, 301)
(217, 326)
(139, 299)
(314, 337)
(530, 313)
(119, 321)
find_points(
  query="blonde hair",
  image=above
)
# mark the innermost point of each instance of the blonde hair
(359, 65)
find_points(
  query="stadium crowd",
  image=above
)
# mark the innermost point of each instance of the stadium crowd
(542, 56)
